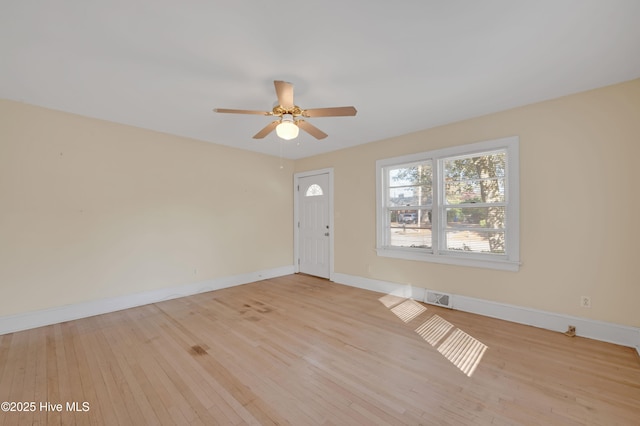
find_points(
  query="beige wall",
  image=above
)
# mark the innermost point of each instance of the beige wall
(92, 210)
(580, 206)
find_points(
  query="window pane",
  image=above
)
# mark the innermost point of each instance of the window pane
(409, 196)
(416, 217)
(410, 228)
(475, 191)
(478, 178)
(410, 184)
(474, 241)
(477, 166)
(476, 217)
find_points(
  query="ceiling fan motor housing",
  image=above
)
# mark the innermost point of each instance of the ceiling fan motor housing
(279, 111)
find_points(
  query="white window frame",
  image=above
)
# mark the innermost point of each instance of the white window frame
(510, 261)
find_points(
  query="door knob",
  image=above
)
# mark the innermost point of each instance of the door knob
(326, 234)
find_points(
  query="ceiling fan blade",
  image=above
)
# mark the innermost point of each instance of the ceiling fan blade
(266, 130)
(311, 129)
(284, 91)
(241, 111)
(330, 112)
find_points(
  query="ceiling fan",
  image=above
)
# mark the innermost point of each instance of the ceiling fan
(289, 115)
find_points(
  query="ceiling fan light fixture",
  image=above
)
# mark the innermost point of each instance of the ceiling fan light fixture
(287, 129)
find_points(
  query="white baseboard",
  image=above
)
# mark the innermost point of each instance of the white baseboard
(401, 290)
(598, 330)
(28, 320)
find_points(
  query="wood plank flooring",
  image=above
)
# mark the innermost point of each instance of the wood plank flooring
(304, 351)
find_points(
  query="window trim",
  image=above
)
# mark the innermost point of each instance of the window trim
(510, 261)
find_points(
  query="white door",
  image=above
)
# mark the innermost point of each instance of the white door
(313, 225)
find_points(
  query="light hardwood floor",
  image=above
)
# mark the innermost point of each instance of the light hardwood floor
(303, 351)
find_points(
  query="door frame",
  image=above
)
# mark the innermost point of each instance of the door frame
(296, 216)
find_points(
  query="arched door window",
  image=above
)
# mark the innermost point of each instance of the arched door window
(314, 191)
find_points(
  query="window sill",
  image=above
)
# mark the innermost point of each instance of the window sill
(478, 261)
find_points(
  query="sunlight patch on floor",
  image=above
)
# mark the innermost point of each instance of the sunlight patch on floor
(434, 329)
(408, 310)
(461, 349)
(464, 351)
(390, 300)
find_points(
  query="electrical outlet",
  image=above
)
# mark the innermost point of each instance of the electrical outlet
(585, 301)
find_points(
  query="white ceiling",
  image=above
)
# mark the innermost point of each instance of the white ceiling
(405, 65)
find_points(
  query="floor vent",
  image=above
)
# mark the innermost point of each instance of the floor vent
(440, 299)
